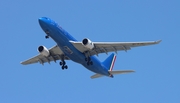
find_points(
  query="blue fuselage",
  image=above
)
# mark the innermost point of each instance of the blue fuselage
(62, 38)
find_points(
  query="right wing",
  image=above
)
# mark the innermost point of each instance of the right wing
(56, 54)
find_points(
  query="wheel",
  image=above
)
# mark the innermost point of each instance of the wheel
(91, 62)
(66, 67)
(88, 63)
(62, 67)
(86, 59)
(60, 63)
(89, 59)
(46, 37)
(64, 63)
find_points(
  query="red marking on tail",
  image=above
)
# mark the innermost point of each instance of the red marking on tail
(112, 64)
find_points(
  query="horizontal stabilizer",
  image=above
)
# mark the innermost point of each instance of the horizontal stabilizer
(121, 71)
(114, 72)
(96, 76)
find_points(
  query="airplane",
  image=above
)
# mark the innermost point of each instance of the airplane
(83, 52)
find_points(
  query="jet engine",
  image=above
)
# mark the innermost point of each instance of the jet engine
(87, 43)
(43, 51)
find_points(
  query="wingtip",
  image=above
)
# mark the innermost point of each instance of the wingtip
(22, 63)
(158, 41)
(132, 71)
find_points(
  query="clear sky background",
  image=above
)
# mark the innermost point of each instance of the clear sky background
(157, 76)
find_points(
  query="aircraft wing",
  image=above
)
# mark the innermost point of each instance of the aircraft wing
(105, 47)
(55, 52)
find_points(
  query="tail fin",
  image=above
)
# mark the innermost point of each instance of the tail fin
(109, 62)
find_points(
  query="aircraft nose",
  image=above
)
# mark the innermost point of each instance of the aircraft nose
(43, 20)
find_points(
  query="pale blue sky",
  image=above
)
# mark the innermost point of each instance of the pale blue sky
(157, 75)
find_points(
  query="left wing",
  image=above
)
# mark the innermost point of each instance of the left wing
(56, 54)
(105, 47)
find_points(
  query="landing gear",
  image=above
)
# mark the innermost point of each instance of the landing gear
(89, 62)
(64, 67)
(88, 59)
(63, 64)
(46, 36)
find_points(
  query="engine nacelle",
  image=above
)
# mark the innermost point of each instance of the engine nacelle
(43, 51)
(88, 43)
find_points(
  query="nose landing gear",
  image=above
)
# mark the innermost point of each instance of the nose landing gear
(46, 36)
(47, 32)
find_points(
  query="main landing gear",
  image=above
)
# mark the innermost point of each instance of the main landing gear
(89, 62)
(63, 64)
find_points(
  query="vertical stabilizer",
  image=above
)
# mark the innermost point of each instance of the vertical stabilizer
(109, 62)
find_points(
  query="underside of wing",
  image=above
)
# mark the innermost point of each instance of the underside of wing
(55, 54)
(105, 47)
